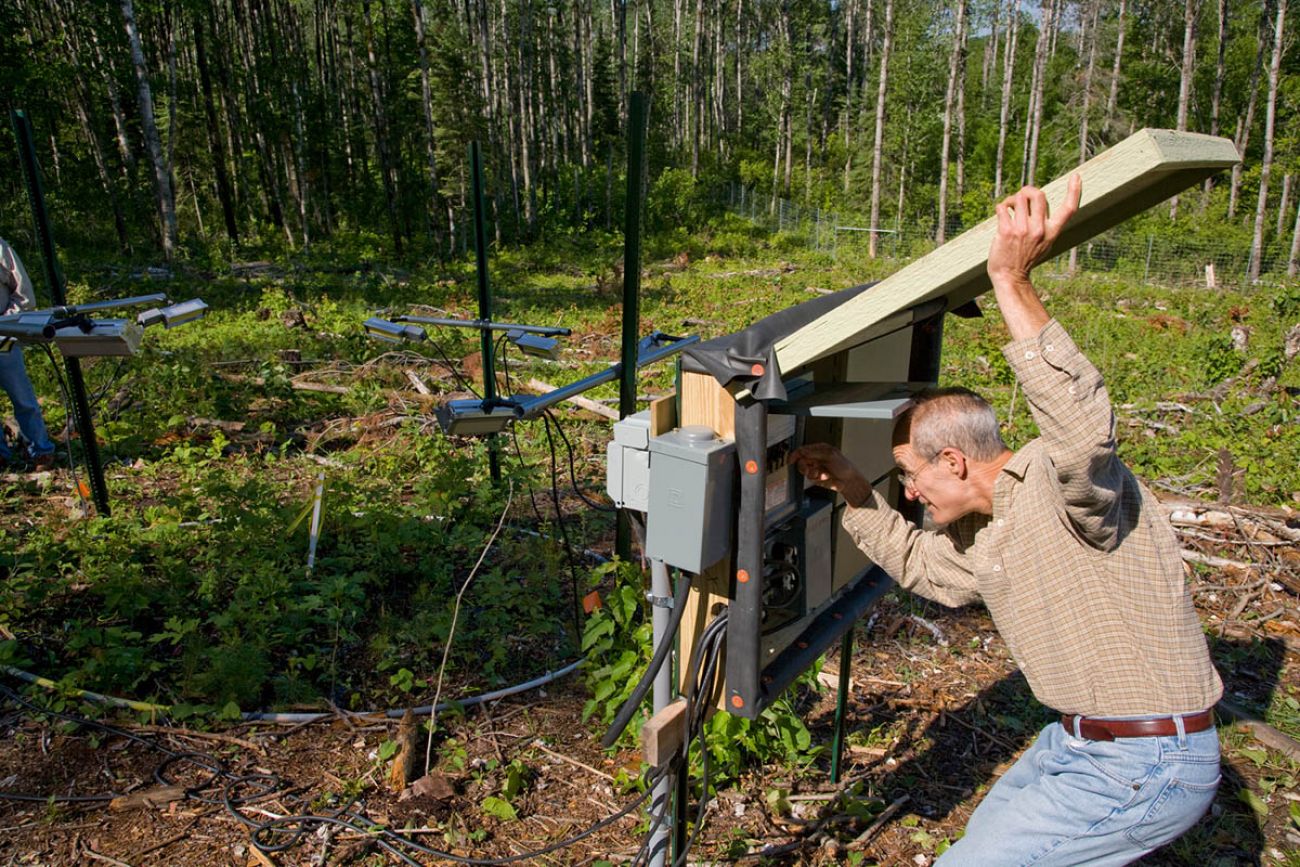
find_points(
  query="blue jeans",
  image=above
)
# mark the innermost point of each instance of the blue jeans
(13, 379)
(1074, 801)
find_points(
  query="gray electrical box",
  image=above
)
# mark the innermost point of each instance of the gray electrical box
(627, 465)
(689, 520)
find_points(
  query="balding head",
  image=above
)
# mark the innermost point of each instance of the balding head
(952, 417)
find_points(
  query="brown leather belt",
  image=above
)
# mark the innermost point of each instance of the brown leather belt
(1160, 726)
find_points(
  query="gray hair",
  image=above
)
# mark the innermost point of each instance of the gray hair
(952, 417)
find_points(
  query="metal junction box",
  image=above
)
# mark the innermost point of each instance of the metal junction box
(627, 479)
(690, 514)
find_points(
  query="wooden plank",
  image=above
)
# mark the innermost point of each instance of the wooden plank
(706, 402)
(663, 414)
(1146, 168)
(664, 733)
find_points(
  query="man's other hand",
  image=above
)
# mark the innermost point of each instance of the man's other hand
(825, 466)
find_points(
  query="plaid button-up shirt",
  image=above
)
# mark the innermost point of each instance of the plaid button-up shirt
(1077, 564)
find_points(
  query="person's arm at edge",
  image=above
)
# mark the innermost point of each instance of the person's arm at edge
(23, 296)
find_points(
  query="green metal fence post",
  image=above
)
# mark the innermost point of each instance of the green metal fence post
(484, 300)
(54, 276)
(631, 283)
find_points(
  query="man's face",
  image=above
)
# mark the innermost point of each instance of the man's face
(940, 485)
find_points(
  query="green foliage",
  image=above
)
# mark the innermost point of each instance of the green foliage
(616, 640)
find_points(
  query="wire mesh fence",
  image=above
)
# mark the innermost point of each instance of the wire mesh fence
(1121, 252)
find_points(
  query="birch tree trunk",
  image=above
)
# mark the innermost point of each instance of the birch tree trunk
(430, 143)
(877, 150)
(1112, 100)
(1242, 138)
(381, 131)
(1190, 9)
(1034, 128)
(1008, 70)
(164, 196)
(1216, 98)
(787, 88)
(956, 61)
(990, 62)
(1283, 204)
(850, 11)
(1293, 260)
(696, 90)
(214, 134)
(1089, 26)
(1266, 165)
(959, 193)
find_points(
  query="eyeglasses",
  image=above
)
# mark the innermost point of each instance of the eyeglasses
(908, 477)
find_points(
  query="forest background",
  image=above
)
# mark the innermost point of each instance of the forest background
(200, 129)
(299, 163)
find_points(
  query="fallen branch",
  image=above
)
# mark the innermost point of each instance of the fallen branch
(577, 400)
(1216, 562)
(577, 764)
(874, 827)
(1260, 730)
(206, 736)
(1186, 513)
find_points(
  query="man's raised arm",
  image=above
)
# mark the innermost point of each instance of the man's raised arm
(1026, 231)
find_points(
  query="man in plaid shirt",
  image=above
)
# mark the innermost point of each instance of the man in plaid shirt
(1081, 573)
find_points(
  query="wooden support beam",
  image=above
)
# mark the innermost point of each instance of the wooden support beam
(664, 733)
(1146, 168)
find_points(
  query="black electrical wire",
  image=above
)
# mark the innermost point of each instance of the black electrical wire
(629, 708)
(712, 641)
(514, 439)
(699, 679)
(564, 532)
(699, 674)
(455, 371)
(68, 416)
(365, 826)
(207, 762)
(298, 825)
(573, 475)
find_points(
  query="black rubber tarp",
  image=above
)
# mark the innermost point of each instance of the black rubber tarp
(749, 356)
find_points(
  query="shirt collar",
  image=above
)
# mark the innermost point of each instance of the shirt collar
(1019, 463)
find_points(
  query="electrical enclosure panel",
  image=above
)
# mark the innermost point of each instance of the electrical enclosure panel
(690, 514)
(797, 579)
(868, 443)
(627, 466)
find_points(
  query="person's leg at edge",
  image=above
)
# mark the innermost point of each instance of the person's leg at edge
(27, 410)
(1091, 802)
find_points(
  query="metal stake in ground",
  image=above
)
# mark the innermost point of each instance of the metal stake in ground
(484, 301)
(54, 277)
(631, 283)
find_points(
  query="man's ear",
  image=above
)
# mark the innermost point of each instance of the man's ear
(954, 463)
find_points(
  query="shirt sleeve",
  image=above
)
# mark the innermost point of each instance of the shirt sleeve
(926, 562)
(23, 295)
(1076, 424)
